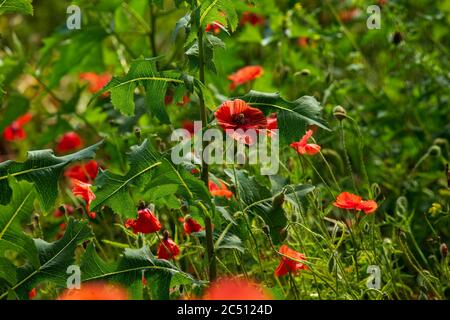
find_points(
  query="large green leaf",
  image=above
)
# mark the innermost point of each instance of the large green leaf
(54, 258)
(142, 71)
(20, 6)
(12, 217)
(293, 116)
(43, 169)
(259, 201)
(147, 169)
(129, 269)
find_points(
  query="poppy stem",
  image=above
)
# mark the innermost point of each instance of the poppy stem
(205, 169)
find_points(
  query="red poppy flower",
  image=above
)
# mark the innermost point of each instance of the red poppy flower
(303, 42)
(95, 291)
(83, 190)
(214, 27)
(244, 75)
(235, 289)
(15, 131)
(272, 124)
(252, 18)
(288, 265)
(237, 114)
(67, 209)
(167, 249)
(32, 294)
(68, 142)
(189, 126)
(190, 225)
(221, 191)
(86, 173)
(351, 201)
(146, 222)
(96, 81)
(349, 15)
(303, 147)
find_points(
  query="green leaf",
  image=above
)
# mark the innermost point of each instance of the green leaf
(142, 71)
(16, 106)
(54, 258)
(214, 10)
(43, 169)
(20, 6)
(293, 116)
(129, 269)
(12, 217)
(258, 200)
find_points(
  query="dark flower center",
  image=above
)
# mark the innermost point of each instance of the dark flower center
(239, 119)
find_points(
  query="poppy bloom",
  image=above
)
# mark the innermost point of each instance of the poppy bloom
(303, 147)
(351, 201)
(288, 265)
(221, 191)
(63, 209)
(167, 249)
(237, 114)
(96, 81)
(252, 18)
(214, 27)
(235, 289)
(32, 294)
(87, 172)
(146, 222)
(95, 291)
(83, 190)
(190, 225)
(15, 130)
(244, 75)
(68, 142)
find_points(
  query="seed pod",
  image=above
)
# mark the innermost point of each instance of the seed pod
(443, 249)
(339, 113)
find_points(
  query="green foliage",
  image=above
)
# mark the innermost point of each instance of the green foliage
(20, 6)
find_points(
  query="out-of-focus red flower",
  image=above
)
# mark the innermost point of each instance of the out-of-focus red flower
(303, 147)
(237, 114)
(96, 81)
(146, 222)
(189, 126)
(272, 123)
(67, 209)
(15, 130)
(144, 281)
(252, 18)
(190, 225)
(349, 14)
(95, 291)
(83, 172)
(288, 265)
(32, 294)
(68, 142)
(235, 289)
(349, 201)
(168, 99)
(244, 75)
(83, 190)
(214, 27)
(221, 191)
(167, 248)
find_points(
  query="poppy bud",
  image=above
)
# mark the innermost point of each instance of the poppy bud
(184, 209)
(397, 38)
(278, 200)
(339, 113)
(137, 133)
(165, 234)
(266, 229)
(142, 205)
(434, 151)
(443, 249)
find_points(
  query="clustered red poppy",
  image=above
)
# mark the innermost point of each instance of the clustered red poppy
(95, 291)
(303, 147)
(244, 75)
(84, 172)
(235, 289)
(190, 225)
(15, 131)
(146, 222)
(68, 142)
(167, 248)
(238, 116)
(347, 200)
(221, 191)
(83, 190)
(288, 265)
(252, 18)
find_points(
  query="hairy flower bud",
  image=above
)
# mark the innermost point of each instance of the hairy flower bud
(339, 113)
(443, 249)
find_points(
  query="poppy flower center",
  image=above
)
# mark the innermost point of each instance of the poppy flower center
(239, 119)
